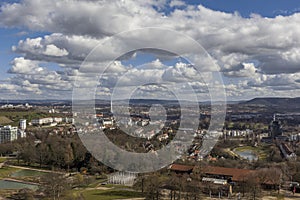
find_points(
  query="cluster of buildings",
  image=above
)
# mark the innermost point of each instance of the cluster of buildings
(276, 136)
(52, 121)
(237, 133)
(107, 122)
(236, 117)
(10, 133)
(287, 152)
(26, 105)
(295, 137)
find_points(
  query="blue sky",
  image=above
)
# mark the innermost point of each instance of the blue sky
(261, 63)
(10, 37)
(266, 8)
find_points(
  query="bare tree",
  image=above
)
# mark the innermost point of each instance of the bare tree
(54, 185)
(152, 187)
(253, 185)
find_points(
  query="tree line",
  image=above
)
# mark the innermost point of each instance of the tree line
(62, 152)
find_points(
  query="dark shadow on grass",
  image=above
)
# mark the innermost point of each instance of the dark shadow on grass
(129, 194)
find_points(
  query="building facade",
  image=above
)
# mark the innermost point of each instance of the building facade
(8, 134)
(42, 121)
(23, 124)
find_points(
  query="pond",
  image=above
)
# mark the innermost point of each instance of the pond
(27, 173)
(6, 184)
(247, 154)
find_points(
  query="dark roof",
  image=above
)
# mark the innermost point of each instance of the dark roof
(181, 168)
(237, 174)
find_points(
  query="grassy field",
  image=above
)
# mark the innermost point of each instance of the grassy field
(12, 117)
(110, 194)
(7, 171)
(4, 120)
(2, 159)
(106, 192)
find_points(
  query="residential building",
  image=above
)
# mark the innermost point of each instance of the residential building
(42, 121)
(57, 119)
(8, 134)
(69, 120)
(23, 124)
(21, 133)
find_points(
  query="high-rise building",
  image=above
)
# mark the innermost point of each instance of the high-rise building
(8, 134)
(23, 124)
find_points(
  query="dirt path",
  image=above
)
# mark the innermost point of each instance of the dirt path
(20, 181)
(285, 198)
(34, 169)
(132, 199)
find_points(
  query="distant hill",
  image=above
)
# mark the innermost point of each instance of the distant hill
(153, 101)
(275, 102)
(268, 102)
(39, 102)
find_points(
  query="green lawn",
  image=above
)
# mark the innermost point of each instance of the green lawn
(12, 117)
(104, 192)
(110, 194)
(2, 159)
(6, 171)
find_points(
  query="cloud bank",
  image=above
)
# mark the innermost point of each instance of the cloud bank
(258, 56)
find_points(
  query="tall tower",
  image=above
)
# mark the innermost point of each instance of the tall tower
(275, 128)
(111, 106)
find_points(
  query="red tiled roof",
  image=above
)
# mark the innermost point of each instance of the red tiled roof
(182, 168)
(237, 174)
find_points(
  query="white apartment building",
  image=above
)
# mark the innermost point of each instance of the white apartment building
(107, 122)
(69, 120)
(42, 121)
(23, 124)
(8, 134)
(51, 121)
(57, 119)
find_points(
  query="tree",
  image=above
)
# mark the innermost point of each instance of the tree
(28, 153)
(152, 187)
(275, 155)
(79, 152)
(192, 190)
(42, 153)
(69, 157)
(270, 176)
(79, 179)
(23, 194)
(253, 185)
(54, 185)
(56, 151)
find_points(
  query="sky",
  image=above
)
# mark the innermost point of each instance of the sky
(46, 48)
